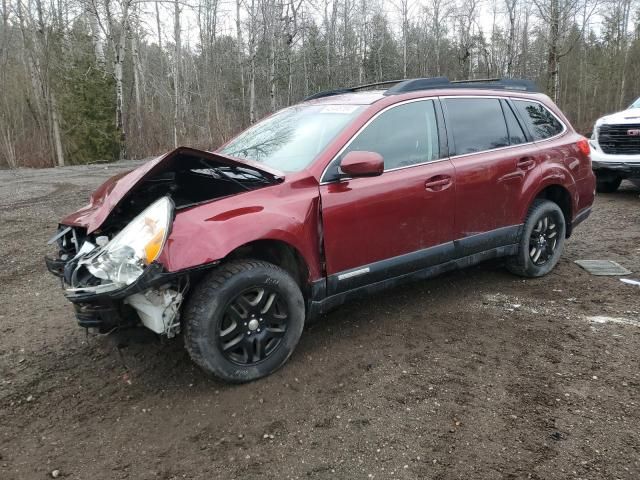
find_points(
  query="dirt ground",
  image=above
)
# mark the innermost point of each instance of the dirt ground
(473, 375)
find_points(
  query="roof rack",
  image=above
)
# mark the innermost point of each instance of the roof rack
(339, 91)
(416, 84)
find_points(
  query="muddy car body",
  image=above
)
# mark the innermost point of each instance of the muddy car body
(249, 252)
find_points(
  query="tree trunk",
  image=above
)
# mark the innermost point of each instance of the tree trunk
(553, 58)
(158, 25)
(405, 34)
(138, 80)
(511, 13)
(55, 130)
(94, 26)
(253, 25)
(272, 60)
(239, 56)
(176, 72)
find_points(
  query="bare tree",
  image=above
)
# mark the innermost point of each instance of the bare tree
(70, 67)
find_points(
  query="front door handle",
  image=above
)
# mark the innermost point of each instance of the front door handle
(438, 183)
(526, 163)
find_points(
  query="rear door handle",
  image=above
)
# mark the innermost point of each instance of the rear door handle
(526, 163)
(438, 183)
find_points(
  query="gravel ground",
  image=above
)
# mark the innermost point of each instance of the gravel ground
(473, 375)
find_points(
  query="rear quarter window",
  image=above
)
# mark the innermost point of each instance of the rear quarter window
(541, 122)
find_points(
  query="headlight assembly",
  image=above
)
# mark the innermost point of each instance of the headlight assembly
(124, 258)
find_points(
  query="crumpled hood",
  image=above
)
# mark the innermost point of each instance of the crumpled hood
(108, 195)
(630, 116)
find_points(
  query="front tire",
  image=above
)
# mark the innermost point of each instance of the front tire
(541, 242)
(244, 320)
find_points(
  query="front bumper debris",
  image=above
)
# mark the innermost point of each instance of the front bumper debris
(105, 316)
(153, 300)
(55, 265)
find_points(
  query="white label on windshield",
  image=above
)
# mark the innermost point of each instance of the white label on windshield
(339, 109)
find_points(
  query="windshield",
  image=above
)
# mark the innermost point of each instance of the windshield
(292, 138)
(635, 104)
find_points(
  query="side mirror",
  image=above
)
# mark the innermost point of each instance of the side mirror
(362, 164)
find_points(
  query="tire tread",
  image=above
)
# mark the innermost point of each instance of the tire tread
(198, 305)
(514, 264)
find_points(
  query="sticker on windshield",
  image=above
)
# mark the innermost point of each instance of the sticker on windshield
(339, 109)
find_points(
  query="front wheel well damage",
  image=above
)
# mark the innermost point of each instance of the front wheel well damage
(561, 197)
(279, 253)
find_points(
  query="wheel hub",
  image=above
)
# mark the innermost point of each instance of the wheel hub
(543, 240)
(253, 325)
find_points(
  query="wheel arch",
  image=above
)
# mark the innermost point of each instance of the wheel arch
(280, 253)
(561, 196)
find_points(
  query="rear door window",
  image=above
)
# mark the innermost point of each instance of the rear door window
(541, 122)
(478, 124)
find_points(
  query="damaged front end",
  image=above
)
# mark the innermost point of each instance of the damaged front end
(108, 252)
(115, 282)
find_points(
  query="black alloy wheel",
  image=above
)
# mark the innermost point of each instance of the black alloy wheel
(252, 326)
(543, 240)
(243, 320)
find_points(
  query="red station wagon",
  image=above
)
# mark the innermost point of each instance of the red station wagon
(347, 193)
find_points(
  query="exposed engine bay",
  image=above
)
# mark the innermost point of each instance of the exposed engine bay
(117, 253)
(189, 180)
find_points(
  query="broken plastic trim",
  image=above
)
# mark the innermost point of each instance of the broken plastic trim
(153, 276)
(159, 308)
(59, 235)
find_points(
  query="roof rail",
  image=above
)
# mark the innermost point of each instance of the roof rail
(416, 84)
(339, 91)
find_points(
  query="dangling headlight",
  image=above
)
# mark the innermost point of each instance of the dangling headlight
(124, 258)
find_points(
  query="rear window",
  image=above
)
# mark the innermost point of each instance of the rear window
(541, 122)
(477, 123)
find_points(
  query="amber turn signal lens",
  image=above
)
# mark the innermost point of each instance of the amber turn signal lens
(152, 249)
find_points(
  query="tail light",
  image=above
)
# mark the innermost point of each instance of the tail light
(583, 146)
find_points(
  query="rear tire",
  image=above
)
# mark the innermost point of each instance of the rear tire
(244, 320)
(541, 242)
(607, 184)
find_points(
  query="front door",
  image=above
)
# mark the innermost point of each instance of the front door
(401, 221)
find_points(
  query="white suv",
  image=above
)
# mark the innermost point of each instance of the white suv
(615, 148)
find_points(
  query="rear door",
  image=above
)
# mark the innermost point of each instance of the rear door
(492, 159)
(380, 227)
